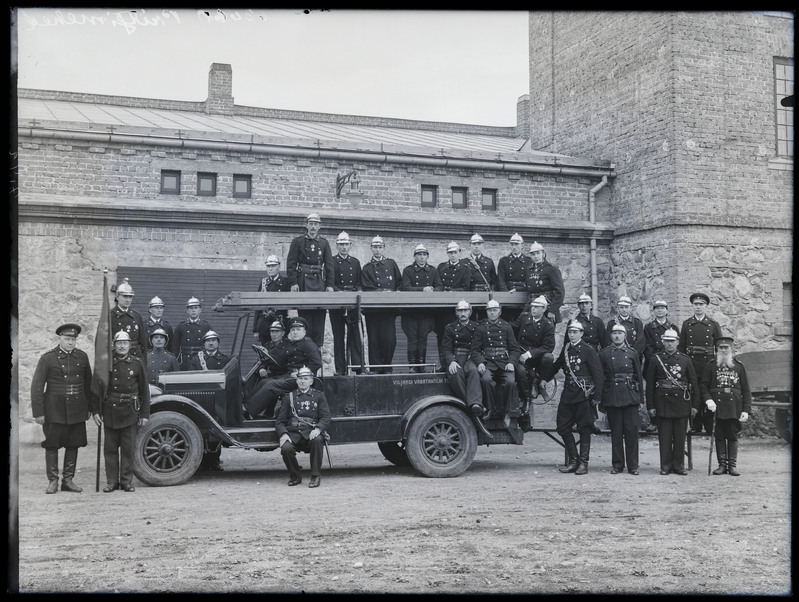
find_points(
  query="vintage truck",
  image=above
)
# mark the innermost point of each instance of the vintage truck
(414, 418)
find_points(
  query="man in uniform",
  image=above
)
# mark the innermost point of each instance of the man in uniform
(301, 426)
(125, 408)
(346, 323)
(544, 278)
(672, 395)
(536, 336)
(273, 282)
(209, 357)
(633, 325)
(512, 273)
(725, 389)
(482, 273)
(61, 402)
(381, 274)
(582, 388)
(495, 353)
(454, 276)
(594, 332)
(298, 351)
(271, 360)
(156, 321)
(189, 334)
(309, 267)
(159, 360)
(622, 396)
(456, 350)
(417, 325)
(652, 333)
(696, 341)
(126, 319)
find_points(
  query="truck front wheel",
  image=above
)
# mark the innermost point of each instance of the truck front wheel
(442, 442)
(169, 449)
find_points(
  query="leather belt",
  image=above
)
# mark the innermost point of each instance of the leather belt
(699, 349)
(496, 353)
(723, 390)
(73, 390)
(665, 384)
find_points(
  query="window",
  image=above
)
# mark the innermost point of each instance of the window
(459, 197)
(429, 195)
(489, 199)
(206, 184)
(242, 186)
(783, 86)
(170, 182)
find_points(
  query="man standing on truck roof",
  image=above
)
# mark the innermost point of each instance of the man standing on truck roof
(381, 274)
(346, 323)
(512, 273)
(418, 324)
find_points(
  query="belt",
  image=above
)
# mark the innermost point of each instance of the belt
(699, 349)
(311, 268)
(460, 350)
(724, 390)
(622, 379)
(347, 288)
(73, 390)
(479, 287)
(665, 384)
(121, 399)
(496, 352)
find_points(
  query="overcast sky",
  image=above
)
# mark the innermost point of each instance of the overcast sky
(458, 66)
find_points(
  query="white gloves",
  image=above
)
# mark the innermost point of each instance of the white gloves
(284, 438)
(314, 434)
(525, 356)
(744, 417)
(711, 405)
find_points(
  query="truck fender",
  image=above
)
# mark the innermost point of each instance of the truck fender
(194, 412)
(425, 402)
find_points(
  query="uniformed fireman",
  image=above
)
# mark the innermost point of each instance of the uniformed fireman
(155, 320)
(632, 325)
(346, 323)
(622, 396)
(652, 332)
(189, 334)
(536, 336)
(482, 272)
(302, 426)
(209, 357)
(61, 401)
(309, 267)
(418, 324)
(456, 352)
(725, 388)
(125, 408)
(594, 332)
(495, 353)
(273, 282)
(696, 340)
(672, 396)
(544, 278)
(381, 274)
(126, 319)
(512, 273)
(159, 360)
(454, 277)
(582, 388)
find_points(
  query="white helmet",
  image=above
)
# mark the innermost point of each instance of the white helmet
(476, 238)
(492, 304)
(193, 301)
(536, 246)
(125, 288)
(272, 260)
(121, 336)
(420, 248)
(516, 238)
(304, 371)
(156, 302)
(463, 304)
(210, 335)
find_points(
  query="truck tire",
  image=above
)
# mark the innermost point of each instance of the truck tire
(169, 449)
(394, 452)
(442, 442)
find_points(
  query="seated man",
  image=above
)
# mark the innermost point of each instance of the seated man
(456, 349)
(209, 357)
(298, 351)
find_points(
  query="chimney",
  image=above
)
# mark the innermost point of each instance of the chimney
(523, 116)
(220, 89)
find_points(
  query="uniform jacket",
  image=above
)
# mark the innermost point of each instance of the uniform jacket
(415, 278)
(584, 363)
(545, 279)
(456, 337)
(263, 318)
(698, 339)
(189, 338)
(454, 276)
(495, 344)
(532, 334)
(512, 272)
(311, 259)
(293, 355)
(130, 321)
(61, 387)
(486, 268)
(652, 333)
(159, 361)
(346, 273)
(312, 411)
(635, 332)
(381, 275)
(216, 361)
(728, 387)
(128, 379)
(624, 383)
(669, 402)
(594, 332)
(151, 325)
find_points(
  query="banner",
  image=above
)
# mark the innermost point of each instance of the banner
(102, 348)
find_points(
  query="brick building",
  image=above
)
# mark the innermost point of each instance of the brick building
(642, 160)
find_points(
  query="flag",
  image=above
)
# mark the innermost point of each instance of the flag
(102, 349)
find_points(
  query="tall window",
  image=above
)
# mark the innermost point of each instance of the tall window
(783, 86)
(429, 195)
(242, 186)
(489, 199)
(459, 197)
(206, 184)
(170, 181)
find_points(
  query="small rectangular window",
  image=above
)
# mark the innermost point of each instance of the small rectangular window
(242, 186)
(206, 184)
(489, 199)
(429, 195)
(783, 86)
(170, 182)
(459, 197)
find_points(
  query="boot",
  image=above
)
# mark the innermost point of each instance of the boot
(732, 458)
(571, 452)
(422, 359)
(585, 448)
(51, 464)
(70, 461)
(721, 454)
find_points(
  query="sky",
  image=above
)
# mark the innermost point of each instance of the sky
(454, 66)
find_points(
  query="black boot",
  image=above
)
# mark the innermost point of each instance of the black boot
(732, 459)
(721, 454)
(51, 464)
(70, 461)
(571, 453)
(422, 359)
(585, 449)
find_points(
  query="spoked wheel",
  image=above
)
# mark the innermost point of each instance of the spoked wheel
(442, 442)
(169, 449)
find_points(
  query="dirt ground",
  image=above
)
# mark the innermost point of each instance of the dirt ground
(510, 524)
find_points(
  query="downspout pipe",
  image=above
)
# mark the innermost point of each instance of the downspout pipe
(592, 219)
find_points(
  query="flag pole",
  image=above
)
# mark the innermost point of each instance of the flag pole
(102, 367)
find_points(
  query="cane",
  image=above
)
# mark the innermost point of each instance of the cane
(712, 441)
(99, 441)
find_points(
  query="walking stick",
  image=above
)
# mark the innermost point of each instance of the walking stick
(712, 441)
(99, 441)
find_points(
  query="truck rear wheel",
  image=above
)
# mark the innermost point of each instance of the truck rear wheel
(169, 449)
(442, 442)
(394, 452)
